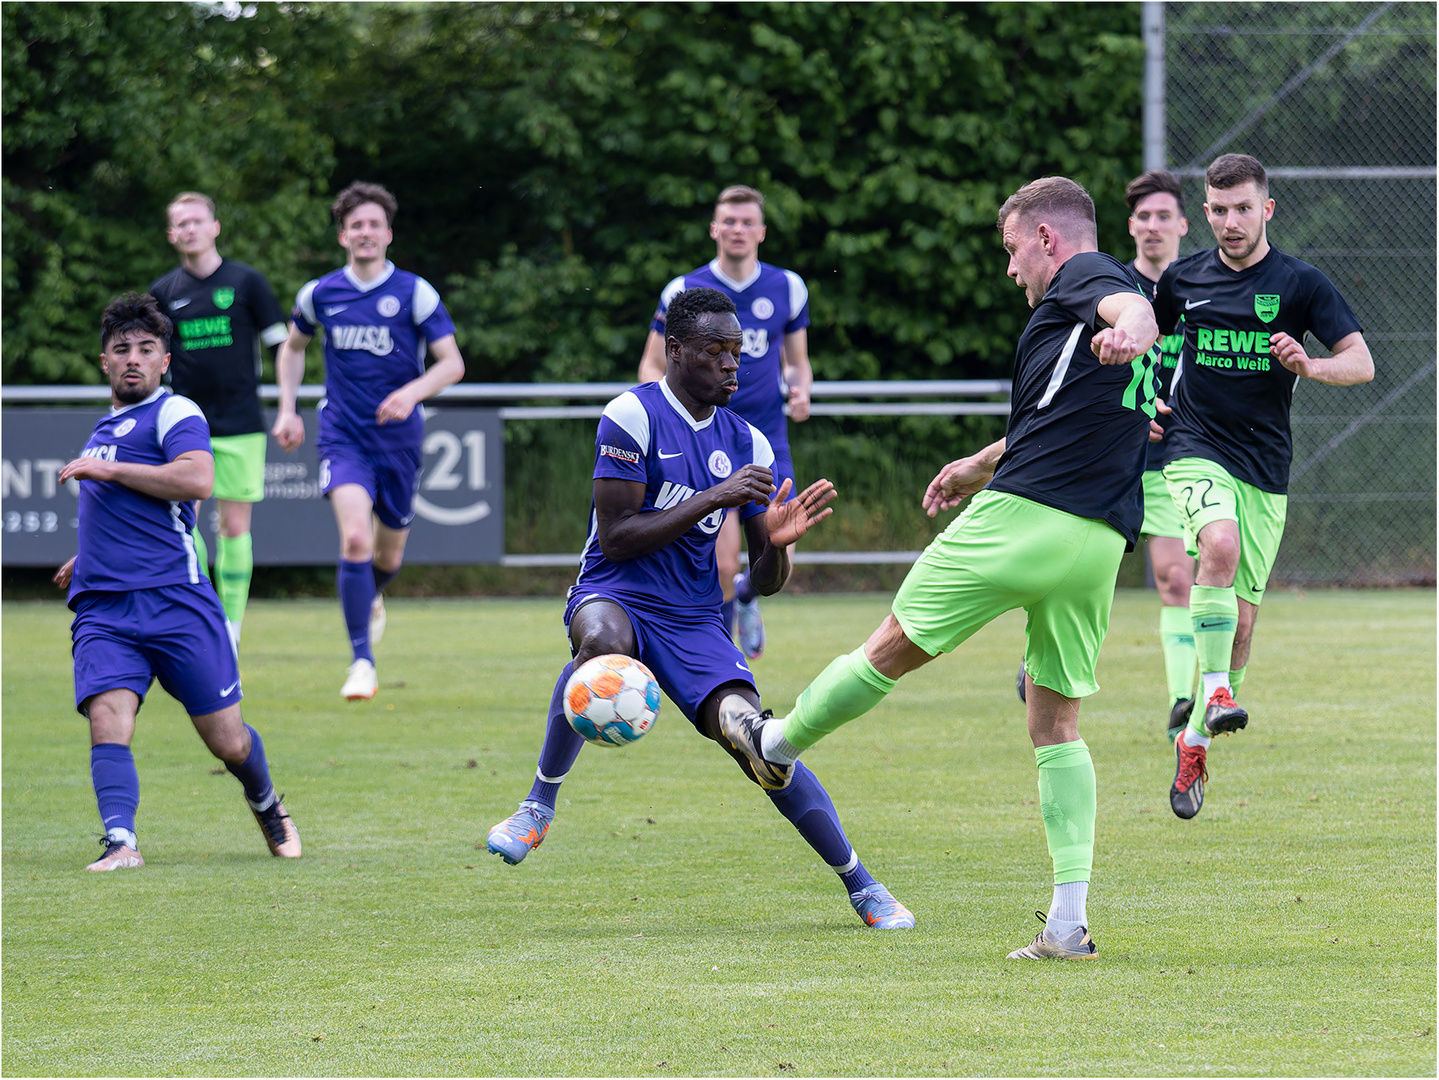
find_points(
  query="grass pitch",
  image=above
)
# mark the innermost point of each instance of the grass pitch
(673, 923)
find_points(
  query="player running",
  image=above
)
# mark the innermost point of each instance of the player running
(670, 465)
(143, 610)
(773, 307)
(1056, 504)
(1245, 307)
(223, 312)
(379, 321)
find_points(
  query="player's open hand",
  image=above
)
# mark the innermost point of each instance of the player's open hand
(788, 521)
(1290, 353)
(1114, 346)
(62, 576)
(87, 468)
(396, 408)
(956, 482)
(289, 431)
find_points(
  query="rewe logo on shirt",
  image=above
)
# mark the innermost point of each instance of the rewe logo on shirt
(370, 339)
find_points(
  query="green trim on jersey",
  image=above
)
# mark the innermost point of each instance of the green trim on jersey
(239, 466)
(1160, 516)
(1005, 552)
(1203, 491)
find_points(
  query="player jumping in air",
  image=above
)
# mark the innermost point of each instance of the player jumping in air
(1244, 308)
(773, 308)
(143, 610)
(223, 312)
(670, 464)
(379, 321)
(1056, 504)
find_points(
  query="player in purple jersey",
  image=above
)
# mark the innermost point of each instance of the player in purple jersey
(670, 465)
(773, 308)
(143, 610)
(379, 323)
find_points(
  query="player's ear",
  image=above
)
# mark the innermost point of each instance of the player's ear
(1268, 209)
(1183, 226)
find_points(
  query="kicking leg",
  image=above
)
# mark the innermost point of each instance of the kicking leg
(113, 773)
(240, 747)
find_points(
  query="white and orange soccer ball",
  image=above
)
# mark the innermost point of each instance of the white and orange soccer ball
(612, 700)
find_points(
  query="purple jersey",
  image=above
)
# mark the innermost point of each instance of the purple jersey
(376, 333)
(130, 540)
(771, 303)
(647, 436)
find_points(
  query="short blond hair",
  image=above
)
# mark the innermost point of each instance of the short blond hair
(190, 196)
(740, 193)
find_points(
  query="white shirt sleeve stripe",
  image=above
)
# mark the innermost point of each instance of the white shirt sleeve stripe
(798, 294)
(172, 410)
(1061, 367)
(425, 302)
(305, 301)
(763, 451)
(629, 413)
(273, 335)
(673, 289)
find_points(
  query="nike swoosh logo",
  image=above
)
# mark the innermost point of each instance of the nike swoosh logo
(1189, 305)
(1214, 625)
(666, 457)
(336, 309)
(1255, 588)
(229, 689)
(740, 665)
(176, 305)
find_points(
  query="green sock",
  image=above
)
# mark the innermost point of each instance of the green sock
(1068, 803)
(200, 553)
(1176, 638)
(1215, 613)
(234, 566)
(849, 687)
(1236, 679)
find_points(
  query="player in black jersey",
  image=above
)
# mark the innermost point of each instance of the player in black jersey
(1245, 308)
(223, 312)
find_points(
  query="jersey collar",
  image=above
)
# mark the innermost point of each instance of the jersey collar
(678, 406)
(737, 286)
(160, 391)
(366, 286)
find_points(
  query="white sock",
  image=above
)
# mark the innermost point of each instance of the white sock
(1066, 910)
(1213, 680)
(125, 836)
(774, 746)
(1193, 738)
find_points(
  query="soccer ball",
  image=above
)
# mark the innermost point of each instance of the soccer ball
(612, 700)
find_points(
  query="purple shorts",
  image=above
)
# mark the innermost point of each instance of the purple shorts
(389, 477)
(174, 633)
(691, 655)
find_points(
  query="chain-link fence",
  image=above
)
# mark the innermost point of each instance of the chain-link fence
(1338, 101)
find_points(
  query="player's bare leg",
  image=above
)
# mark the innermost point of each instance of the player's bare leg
(240, 747)
(1215, 612)
(355, 582)
(597, 628)
(112, 770)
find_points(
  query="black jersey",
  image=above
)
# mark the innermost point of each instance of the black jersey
(220, 323)
(1169, 346)
(1230, 397)
(1078, 428)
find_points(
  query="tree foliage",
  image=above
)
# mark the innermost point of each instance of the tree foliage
(556, 164)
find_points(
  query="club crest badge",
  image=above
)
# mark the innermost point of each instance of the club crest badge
(1266, 306)
(762, 308)
(720, 464)
(388, 306)
(123, 428)
(224, 297)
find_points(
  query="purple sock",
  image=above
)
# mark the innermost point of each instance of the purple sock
(254, 774)
(744, 592)
(562, 745)
(117, 785)
(356, 585)
(383, 577)
(727, 613)
(808, 807)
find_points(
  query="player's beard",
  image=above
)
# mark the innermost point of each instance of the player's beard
(126, 394)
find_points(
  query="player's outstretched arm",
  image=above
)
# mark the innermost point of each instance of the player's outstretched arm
(448, 368)
(798, 375)
(1350, 365)
(626, 531)
(1131, 332)
(960, 479)
(289, 429)
(770, 534)
(652, 361)
(189, 476)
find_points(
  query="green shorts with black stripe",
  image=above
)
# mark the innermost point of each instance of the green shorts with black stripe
(1006, 552)
(1204, 491)
(239, 466)
(1161, 518)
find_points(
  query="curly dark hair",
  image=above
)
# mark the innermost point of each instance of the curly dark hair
(682, 318)
(131, 312)
(359, 193)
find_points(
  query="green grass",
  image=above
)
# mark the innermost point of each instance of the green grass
(673, 923)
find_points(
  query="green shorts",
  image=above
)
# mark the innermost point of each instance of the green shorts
(1161, 517)
(239, 466)
(1007, 552)
(1203, 491)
